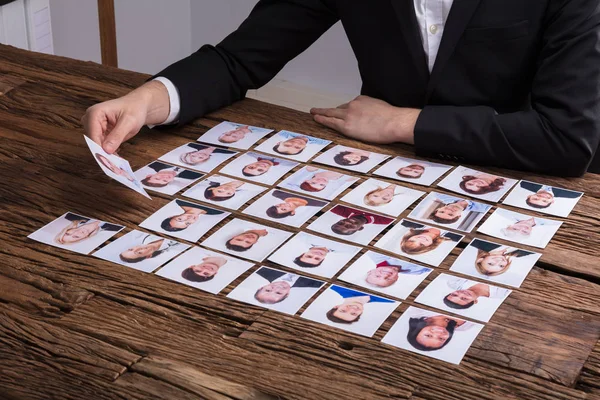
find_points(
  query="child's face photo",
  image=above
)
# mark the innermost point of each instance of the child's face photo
(258, 168)
(413, 171)
(352, 159)
(198, 157)
(318, 182)
(382, 197)
(230, 134)
(295, 146)
(224, 192)
(481, 185)
(543, 198)
(164, 178)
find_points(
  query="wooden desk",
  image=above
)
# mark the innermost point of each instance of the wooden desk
(73, 326)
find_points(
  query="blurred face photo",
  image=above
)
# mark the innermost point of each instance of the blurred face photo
(449, 212)
(348, 226)
(273, 292)
(315, 255)
(541, 199)
(462, 297)
(349, 312)
(162, 178)
(522, 227)
(257, 168)
(382, 276)
(292, 146)
(234, 135)
(245, 240)
(411, 171)
(195, 157)
(142, 251)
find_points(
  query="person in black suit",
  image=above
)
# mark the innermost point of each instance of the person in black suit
(280, 284)
(165, 174)
(543, 196)
(511, 84)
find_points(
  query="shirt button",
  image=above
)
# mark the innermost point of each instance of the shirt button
(433, 29)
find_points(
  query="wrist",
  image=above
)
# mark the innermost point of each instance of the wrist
(154, 99)
(402, 126)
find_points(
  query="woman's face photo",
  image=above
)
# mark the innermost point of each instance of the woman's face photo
(183, 221)
(420, 241)
(314, 256)
(206, 269)
(541, 199)
(523, 228)
(80, 233)
(113, 168)
(141, 251)
(449, 212)
(223, 191)
(162, 178)
(493, 264)
(257, 168)
(349, 312)
(245, 240)
(433, 336)
(352, 158)
(382, 276)
(317, 183)
(195, 157)
(462, 297)
(379, 197)
(411, 171)
(476, 185)
(292, 146)
(234, 135)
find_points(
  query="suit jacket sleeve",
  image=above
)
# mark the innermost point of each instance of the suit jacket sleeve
(565, 194)
(560, 132)
(269, 274)
(306, 282)
(530, 186)
(186, 174)
(275, 32)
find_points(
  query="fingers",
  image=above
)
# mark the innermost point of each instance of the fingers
(330, 112)
(330, 122)
(93, 126)
(123, 130)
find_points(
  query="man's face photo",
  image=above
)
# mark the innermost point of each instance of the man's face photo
(273, 292)
(257, 168)
(292, 146)
(234, 135)
(245, 240)
(382, 276)
(462, 297)
(314, 256)
(348, 226)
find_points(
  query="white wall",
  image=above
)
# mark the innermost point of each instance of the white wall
(75, 29)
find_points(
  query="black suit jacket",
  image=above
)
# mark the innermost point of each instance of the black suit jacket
(272, 274)
(488, 247)
(181, 173)
(515, 82)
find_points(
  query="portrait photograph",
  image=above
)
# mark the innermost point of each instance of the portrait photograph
(318, 182)
(543, 198)
(115, 167)
(495, 262)
(520, 228)
(314, 255)
(276, 290)
(383, 197)
(224, 192)
(351, 224)
(351, 310)
(433, 334)
(473, 183)
(164, 178)
(471, 299)
(292, 145)
(140, 250)
(386, 275)
(449, 211)
(197, 156)
(204, 269)
(231, 134)
(422, 243)
(285, 208)
(350, 158)
(414, 171)
(75, 232)
(184, 220)
(258, 168)
(246, 239)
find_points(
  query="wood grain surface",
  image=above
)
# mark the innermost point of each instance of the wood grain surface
(73, 326)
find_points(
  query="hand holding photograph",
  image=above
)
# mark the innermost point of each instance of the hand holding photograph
(230, 134)
(477, 184)
(414, 171)
(285, 208)
(543, 198)
(198, 157)
(295, 146)
(382, 197)
(225, 192)
(318, 182)
(164, 178)
(350, 158)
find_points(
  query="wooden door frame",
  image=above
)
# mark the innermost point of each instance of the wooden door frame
(108, 32)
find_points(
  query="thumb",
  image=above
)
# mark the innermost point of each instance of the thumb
(118, 135)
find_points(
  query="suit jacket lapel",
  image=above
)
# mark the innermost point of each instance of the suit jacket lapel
(460, 15)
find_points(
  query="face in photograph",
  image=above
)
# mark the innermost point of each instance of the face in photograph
(314, 255)
(495, 262)
(419, 242)
(141, 251)
(433, 334)
(258, 168)
(225, 192)
(184, 220)
(477, 184)
(198, 157)
(383, 197)
(286, 208)
(449, 211)
(276, 290)
(384, 274)
(234, 135)
(543, 198)
(247, 239)
(204, 269)
(464, 297)
(293, 145)
(350, 158)
(76, 233)
(318, 182)
(520, 228)
(165, 178)
(115, 167)
(350, 310)
(351, 224)
(413, 171)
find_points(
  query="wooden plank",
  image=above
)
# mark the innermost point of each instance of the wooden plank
(108, 32)
(589, 381)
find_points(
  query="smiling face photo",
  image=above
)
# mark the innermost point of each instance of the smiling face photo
(477, 184)
(76, 233)
(464, 297)
(318, 182)
(295, 146)
(199, 157)
(543, 198)
(204, 269)
(314, 255)
(141, 251)
(433, 334)
(382, 197)
(224, 192)
(238, 136)
(184, 220)
(350, 310)
(247, 239)
(450, 212)
(277, 290)
(285, 208)
(115, 167)
(165, 178)
(351, 159)
(414, 171)
(351, 224)
(419, 242)
(258, 168)
(387, 275)
(495, 262)
(520, 228)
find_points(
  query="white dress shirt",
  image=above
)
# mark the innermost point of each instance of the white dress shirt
(431, 15)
